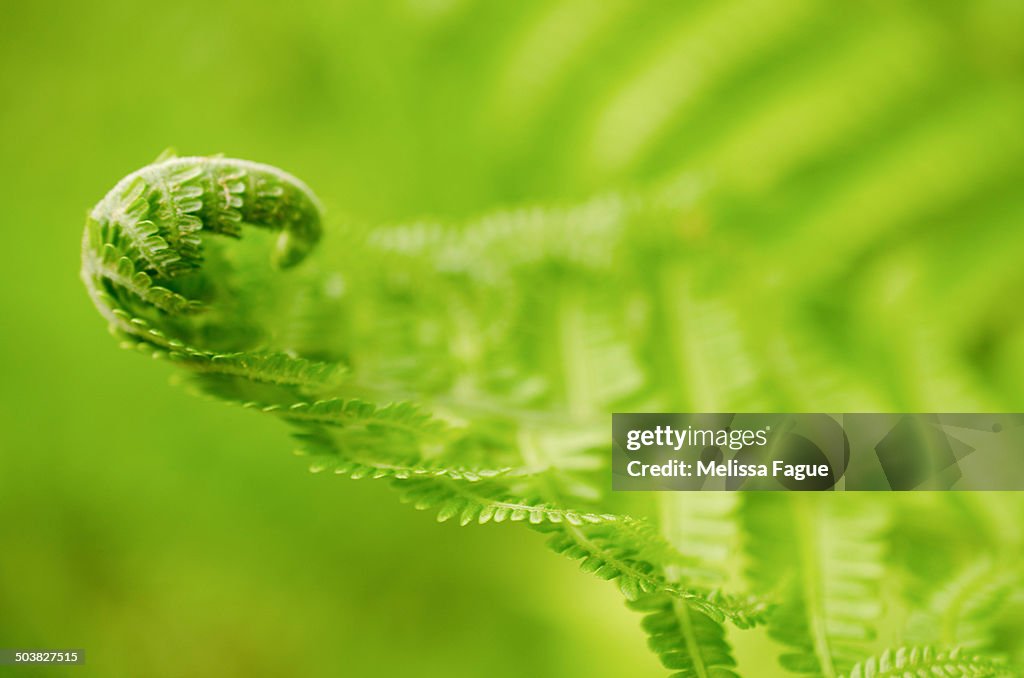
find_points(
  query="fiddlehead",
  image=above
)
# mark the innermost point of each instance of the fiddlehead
(153, 265)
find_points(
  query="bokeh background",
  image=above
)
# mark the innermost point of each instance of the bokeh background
(875, 148)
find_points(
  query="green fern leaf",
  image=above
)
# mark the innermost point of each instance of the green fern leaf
(924, 662)
(824, 559)
(964, 611)
(686, 639)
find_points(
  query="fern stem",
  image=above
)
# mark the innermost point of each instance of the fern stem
(670, 513)
(809, 550)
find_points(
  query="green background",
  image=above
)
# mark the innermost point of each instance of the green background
(168, 535)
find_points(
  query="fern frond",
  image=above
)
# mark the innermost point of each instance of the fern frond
(824, 559)
(963, 611)
(348, 413)
(357, 439)
(924, 662)
(612, 547)
(611, 552)
(704, 528)
(265, 367)
(487, 502)
(145, 242)
(588, 236)
(499, 465)
(686, 639)
(701, 529)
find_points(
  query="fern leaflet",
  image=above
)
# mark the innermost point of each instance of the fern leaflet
(924, 662)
